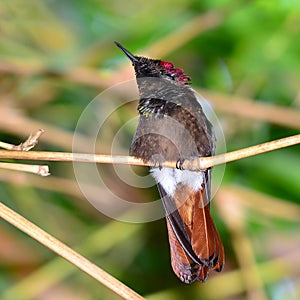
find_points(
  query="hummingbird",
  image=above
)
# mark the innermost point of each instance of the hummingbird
(172, 126)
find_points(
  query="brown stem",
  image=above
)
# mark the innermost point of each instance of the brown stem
(201, 163)
(70, 255)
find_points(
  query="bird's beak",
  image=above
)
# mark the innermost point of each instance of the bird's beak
(128, 54)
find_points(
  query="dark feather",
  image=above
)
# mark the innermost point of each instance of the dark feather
(194, 242)
(177, 225)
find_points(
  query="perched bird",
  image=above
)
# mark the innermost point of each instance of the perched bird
(172, 126)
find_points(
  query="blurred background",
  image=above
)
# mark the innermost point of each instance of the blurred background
(243, 56)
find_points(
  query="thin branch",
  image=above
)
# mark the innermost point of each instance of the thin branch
(6, 146)
(89, 245)
(201, 163)
(70, 255)
(32, 140)
(42, 170)
(27, 145)
(208, 162)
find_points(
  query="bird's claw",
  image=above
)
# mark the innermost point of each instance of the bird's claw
(179, 164)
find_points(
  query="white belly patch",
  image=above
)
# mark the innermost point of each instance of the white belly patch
(168, 178)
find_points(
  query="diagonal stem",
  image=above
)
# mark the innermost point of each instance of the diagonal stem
(70, 255)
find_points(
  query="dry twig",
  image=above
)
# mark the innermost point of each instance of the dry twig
(70, 255)
(42, 170)
(27, 145)
(201, 163)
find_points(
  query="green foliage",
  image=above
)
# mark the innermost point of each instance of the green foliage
(51, 56)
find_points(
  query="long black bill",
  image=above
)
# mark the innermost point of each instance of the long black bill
(128, 54)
